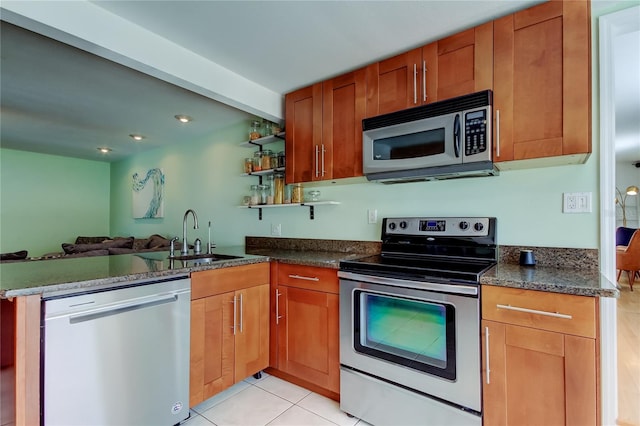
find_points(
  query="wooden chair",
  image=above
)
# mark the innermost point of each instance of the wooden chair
(628, 258)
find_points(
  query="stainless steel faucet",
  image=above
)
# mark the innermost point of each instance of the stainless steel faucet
(172, 247)
(185, 246)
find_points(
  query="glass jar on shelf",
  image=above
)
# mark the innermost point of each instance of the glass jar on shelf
(248, 165)
(297, 193)
(264, 193)
(278, 193)
(281, 159)
(266, 159)
(266, 128)
(254, 199)
(287, 194)
(257, 161)
(254, 130)
(269, 183)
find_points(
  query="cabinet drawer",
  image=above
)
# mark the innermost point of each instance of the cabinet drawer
(561, 313)
(223, 280)
(308, 277)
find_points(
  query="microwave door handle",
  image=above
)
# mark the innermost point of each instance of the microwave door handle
(456, 135)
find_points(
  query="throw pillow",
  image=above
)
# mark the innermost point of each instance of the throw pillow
(81, 248)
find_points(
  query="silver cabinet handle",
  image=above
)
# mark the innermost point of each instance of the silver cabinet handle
(497, 133)
(241, 311)
(322, 157)
(486, 345)
(278, 316)
(534, 311)
(424, 81)
(317, 153)
(415, 82)
(235, 312)
(300, 277)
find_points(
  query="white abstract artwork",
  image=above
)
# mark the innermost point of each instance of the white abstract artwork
(148, 194)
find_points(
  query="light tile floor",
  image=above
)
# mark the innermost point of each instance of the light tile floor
(269, 401)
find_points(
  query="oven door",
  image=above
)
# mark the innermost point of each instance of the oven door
(429, 142)
(422, 336)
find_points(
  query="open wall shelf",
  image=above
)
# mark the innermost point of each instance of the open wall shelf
(310, 204)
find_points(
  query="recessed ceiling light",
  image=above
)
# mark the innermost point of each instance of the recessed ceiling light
(183, 118)
(136, 137)
(104, 150)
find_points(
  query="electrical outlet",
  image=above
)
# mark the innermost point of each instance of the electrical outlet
(276, 229)
(576, 202)
(372, 215)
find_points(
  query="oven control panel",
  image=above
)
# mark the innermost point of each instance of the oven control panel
(442, 226)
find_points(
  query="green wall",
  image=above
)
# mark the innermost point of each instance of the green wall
(206, 176)
(46, 200)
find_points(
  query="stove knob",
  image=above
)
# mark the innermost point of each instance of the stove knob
(463, 225)
(478, 226)
(403, 224)
(392, 226)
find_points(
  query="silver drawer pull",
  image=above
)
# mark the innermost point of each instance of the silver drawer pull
(300, 277)
(533, 311)
(486, 346)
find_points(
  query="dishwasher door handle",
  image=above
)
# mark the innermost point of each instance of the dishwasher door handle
(122, 308)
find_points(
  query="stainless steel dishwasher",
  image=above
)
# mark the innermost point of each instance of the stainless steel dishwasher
(117, 356)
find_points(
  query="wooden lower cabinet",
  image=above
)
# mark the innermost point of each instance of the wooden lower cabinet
(229, 328)
(305, 327)
(531, 375)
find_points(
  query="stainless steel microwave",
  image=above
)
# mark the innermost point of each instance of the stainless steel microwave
(442, 140)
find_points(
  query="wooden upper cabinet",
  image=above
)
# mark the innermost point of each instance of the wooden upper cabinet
(303, 116)
(343, 108)
(392, 84)
(459, 64)
(454, 66)
(324, 129)
(542, 82)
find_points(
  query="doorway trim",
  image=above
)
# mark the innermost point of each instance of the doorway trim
(610, 26)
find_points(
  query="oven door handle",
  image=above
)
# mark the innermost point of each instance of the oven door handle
(423, 285)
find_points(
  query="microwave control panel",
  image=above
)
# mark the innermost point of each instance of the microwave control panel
(475, 132)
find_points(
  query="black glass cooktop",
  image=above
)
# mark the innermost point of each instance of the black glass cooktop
(419, 268)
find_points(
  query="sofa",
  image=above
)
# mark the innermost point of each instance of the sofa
(99, 246)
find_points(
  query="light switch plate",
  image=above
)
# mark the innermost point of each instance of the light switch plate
(372, 215)
(276, 229)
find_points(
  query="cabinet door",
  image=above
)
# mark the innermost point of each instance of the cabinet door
(534, 377)
(308, 337)
(212, 347)
(393, 84)
(303, 115)
(343, 108)
(542, 82)
(252, 331)
(458, 65)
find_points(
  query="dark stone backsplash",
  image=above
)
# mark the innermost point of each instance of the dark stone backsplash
(571, 258)
(306, 244)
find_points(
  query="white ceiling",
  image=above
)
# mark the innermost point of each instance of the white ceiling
(60, 100)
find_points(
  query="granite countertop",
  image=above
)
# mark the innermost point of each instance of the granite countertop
(580, 282)
(55, 275)
(62, 275)
(569, 271)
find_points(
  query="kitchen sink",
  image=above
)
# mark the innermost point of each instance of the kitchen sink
(204, 258)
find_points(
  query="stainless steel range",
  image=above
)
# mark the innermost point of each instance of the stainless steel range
(410, 323)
